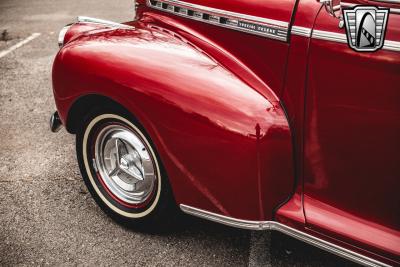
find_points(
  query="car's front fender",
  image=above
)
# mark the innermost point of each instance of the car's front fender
(226, 147)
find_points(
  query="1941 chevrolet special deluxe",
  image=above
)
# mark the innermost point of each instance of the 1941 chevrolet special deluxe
(259, 114)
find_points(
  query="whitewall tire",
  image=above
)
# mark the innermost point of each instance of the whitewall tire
(122, 170)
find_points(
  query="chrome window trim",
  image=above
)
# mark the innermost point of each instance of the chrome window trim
(276, 226)
(280, 27)
(341, 38)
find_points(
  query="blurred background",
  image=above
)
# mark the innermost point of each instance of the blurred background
(47, 216)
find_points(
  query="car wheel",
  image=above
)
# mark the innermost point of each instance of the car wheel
(122, 171)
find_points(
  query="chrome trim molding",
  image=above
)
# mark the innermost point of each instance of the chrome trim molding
(301, 31)
(276, 226)
(329, 36)
(241, 22)
(391, 45)
(395, 10)
(388, 1)
(341, 38)
(103, 22)
(229, 221)
(392, 10)
(61, 34)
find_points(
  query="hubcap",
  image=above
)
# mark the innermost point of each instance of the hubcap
(124, 163)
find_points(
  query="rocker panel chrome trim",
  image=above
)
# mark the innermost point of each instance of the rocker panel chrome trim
(276, 226)
(279, 27)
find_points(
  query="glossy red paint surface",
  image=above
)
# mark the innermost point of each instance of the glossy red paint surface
(305, 132)
(203, 119)
(352, 129)
(293, 97)
(272, 9)
(266, 58)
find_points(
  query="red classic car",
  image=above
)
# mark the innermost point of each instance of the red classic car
(265, 115)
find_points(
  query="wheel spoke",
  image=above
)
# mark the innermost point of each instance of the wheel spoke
(114, 172)
(122, 150)
(118, 153)
(133, 174)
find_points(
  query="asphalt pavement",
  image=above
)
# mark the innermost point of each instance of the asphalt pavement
(47, 216)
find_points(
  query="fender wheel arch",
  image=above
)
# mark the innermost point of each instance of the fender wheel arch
(85, 104)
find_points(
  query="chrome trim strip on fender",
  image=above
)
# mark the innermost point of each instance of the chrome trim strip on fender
(301, 31)
(103, 22)
(395, 10)
(391, 45)
(341, 38)
(388, 1)
(241, 22)
(276, 226)
(329, 36)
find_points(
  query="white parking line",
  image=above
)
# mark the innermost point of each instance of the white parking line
(18, 45)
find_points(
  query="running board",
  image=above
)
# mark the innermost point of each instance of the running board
(276, 226)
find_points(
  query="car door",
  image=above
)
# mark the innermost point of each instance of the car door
(352, 136)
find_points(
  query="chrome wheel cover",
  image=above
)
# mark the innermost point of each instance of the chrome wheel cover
(125, 164)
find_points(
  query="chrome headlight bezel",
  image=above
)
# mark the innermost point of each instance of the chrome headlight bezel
(62, 33)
